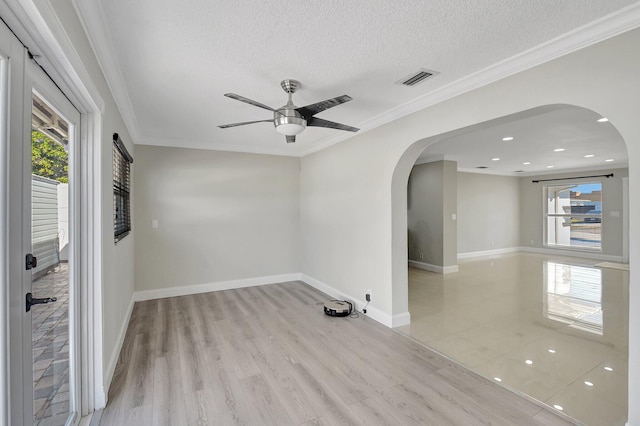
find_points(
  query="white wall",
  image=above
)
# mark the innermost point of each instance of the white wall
(354, 194)
(531, 195)
(488, 212)
(221, 216)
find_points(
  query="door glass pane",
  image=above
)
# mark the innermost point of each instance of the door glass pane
(50, 278)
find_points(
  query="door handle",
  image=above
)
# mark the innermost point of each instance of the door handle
(38, 301)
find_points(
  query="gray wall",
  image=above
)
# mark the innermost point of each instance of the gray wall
(488, 212)
(221, 216)
(431, 202)
(532, 213)
(494, 212)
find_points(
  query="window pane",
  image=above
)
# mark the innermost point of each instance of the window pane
(574, 232)
(574, 215)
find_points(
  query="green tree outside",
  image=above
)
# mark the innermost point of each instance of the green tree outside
(48, 158)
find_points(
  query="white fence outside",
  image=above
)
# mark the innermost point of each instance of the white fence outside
(49, 222)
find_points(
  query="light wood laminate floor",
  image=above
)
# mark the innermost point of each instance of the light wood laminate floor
(268, 355)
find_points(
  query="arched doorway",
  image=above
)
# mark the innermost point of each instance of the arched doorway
(554, 303)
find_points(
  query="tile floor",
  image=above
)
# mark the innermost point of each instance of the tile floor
(51, 348)
(554, 328)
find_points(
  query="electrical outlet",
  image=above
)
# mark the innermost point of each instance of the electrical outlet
(421, 256)
(367, 296)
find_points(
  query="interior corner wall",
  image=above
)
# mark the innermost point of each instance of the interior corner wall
(204, 217)
(488, 212)
(449, 208)
(425, 205)
(531, 208)
(431, 201)
(117, 259)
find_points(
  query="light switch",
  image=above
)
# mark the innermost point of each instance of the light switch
(454, 216)
(154, 224)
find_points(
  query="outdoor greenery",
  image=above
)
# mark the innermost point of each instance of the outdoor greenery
(48, 157)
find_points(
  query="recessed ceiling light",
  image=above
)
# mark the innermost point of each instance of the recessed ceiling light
(497, 379)
(495, 159)
(589, 156)
(558, 150)
(552, 351)
(603, 120)
(608, 160)
(528, 362)
(508, 138)
(588, 383)
(526, 163)
(608, 368)
(550, 167)
(558, 407)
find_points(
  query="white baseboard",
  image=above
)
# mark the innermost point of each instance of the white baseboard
(433, 268)
(484, 253)
(161, 293)
(572, 253)
(115, 353)
(401, 319)
(372, 311)
(541, 250)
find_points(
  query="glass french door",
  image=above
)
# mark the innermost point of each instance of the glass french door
(39, 146)
(51, 294)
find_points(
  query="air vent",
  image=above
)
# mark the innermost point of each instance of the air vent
(482, 167)
(417, 77)
(519, 171)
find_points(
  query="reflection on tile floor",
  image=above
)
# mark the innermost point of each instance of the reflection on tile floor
(51, 348)
(555, 328)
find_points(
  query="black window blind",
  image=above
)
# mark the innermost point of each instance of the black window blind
(121, 189)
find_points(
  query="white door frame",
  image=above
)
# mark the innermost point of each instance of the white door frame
(36, 23)
(12, 62)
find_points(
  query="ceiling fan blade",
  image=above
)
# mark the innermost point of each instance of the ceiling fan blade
(319, 122)
(248, 101)
(224, 126)
(313, 109)
(291, 139)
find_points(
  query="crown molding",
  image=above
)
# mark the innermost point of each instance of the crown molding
(543, 172)
(208, 145)
(92, 20)
(434, 158)
(594, 32)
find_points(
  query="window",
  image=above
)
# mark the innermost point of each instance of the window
(121, 189)
(574, 215)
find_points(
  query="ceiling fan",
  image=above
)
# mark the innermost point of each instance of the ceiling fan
(289, 119)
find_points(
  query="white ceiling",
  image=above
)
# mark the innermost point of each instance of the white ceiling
(170, 62)
(536, 135)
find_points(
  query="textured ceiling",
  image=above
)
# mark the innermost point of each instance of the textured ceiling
(538, 136)
(169, 62)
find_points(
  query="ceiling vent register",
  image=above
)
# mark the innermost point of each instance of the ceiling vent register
(417, 77)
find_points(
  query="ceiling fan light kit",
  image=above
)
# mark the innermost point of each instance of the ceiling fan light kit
(291, 120)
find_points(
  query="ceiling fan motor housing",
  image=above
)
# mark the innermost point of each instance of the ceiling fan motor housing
(288, 121)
